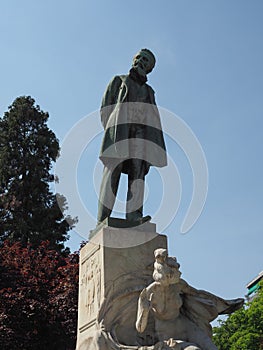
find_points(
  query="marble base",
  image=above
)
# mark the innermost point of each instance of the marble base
(115, 265)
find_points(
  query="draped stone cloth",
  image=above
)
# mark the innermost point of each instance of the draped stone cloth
(116, 319)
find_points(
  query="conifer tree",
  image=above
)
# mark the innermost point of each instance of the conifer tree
(29, 212)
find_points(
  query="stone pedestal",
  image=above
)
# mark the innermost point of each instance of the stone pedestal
(115, 266)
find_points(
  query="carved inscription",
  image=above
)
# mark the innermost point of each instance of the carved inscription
(91, 285)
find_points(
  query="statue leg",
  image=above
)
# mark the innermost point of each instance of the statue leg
(108, 191)
(135, 194)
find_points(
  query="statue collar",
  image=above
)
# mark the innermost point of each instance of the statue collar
(134, 75)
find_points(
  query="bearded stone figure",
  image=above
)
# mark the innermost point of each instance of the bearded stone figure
(182, 314)
(133, 139)
(168, 314)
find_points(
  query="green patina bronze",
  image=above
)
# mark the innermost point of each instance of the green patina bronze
(133, 139)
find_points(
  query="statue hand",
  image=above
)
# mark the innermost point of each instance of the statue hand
(146, 302)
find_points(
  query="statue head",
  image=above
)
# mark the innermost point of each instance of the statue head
(166, 268)
(144, 62)
(160, 255)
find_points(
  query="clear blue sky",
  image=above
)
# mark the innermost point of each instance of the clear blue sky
(209, 72)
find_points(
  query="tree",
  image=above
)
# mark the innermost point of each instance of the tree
(38, 298)
(243, 330)
(29, 212)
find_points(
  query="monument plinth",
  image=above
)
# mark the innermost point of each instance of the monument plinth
(131, 294)
(115, 266)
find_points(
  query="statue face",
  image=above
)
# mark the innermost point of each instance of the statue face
(143, 62)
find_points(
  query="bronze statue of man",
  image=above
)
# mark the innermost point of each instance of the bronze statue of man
(133, 139)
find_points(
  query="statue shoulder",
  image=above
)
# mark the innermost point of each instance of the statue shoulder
(111, 92)
(124, 78)
(150, 89)
(115, 81)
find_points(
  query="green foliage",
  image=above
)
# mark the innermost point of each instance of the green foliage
(29, 212)
(38, 298)
(243, 330)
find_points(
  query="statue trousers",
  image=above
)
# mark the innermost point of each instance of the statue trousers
(136, 169)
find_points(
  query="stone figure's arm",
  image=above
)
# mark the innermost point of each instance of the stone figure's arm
(144, 306)
(109, 99)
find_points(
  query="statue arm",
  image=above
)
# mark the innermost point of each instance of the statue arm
(109, 99)
(144, 306)
(152, 95)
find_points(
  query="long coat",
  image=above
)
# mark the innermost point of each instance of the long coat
(117, 111)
